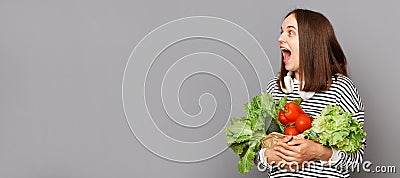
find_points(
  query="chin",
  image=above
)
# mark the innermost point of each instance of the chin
(289, 68)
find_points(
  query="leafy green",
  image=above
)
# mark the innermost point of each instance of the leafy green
(246, 162)
(337, 129)
(244, 135)
(238, 148)
(297, 101)
(267, 103)
(239, 131)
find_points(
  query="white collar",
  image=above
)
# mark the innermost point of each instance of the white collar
(289, 83)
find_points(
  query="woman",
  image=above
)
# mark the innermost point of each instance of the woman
(313, 68)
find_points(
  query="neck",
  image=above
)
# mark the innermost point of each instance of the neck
(297, 75)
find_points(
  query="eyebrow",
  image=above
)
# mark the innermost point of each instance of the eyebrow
(290, 26)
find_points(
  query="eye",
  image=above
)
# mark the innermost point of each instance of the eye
(291, 33)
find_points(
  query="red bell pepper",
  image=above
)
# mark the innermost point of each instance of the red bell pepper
(292, 111)
(282, 118)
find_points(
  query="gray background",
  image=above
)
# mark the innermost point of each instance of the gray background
(62, 64)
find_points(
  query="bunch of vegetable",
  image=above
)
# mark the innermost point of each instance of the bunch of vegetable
(337, 129)
(333, 127)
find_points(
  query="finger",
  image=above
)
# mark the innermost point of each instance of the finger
(292, 148)
(285, 157)
(285, 151)
(284, 139)
(296, 142)
(287, 138)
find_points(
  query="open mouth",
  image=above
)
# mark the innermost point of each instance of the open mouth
(286, 54)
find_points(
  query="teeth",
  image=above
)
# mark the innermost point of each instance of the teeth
(284, 49)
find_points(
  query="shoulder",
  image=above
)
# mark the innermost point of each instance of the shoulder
(272, 84)
(343, 84)
(347, 93)
(272, 81)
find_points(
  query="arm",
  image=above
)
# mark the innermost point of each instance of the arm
(300, 150)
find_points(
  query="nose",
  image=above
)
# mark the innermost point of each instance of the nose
(280, 39)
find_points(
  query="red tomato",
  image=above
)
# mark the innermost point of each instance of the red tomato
(303, 122)
(282, 118)
(291, 131)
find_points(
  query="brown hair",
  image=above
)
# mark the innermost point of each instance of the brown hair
(321, 56)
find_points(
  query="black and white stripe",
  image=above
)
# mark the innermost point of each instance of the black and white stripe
(342, 93)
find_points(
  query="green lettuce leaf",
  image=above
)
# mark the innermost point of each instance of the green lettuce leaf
(337, 129)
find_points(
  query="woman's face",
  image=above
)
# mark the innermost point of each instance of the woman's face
(289, 43)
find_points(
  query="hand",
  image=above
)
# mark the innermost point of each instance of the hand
(272, 158)
(300, 150)
(271, 153)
